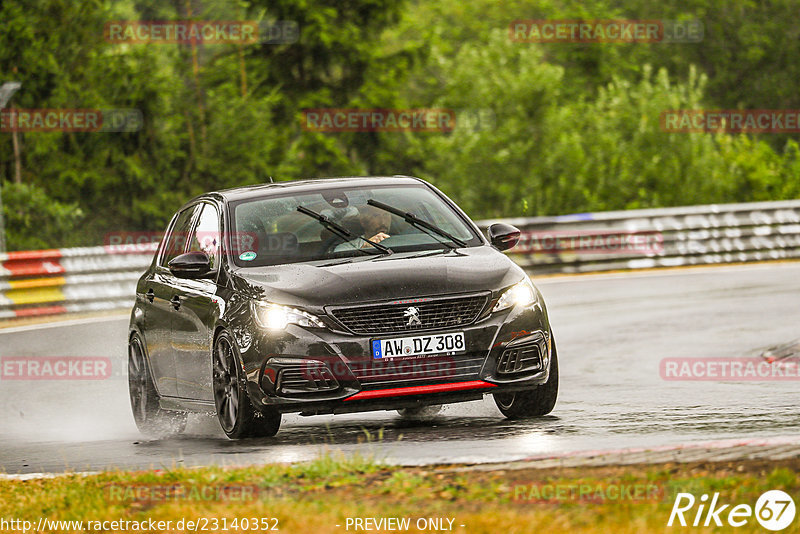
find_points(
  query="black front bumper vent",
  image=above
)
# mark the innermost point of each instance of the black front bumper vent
(306, 379)
(521, 359)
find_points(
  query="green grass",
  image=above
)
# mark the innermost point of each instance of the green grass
(319, 495)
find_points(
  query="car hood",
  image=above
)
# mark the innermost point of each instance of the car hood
(383, 278)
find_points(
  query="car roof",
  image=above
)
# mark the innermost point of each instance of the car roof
(261, 190)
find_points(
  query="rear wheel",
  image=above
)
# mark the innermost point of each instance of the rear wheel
(235, 412)
(534, 402)
(150, 418)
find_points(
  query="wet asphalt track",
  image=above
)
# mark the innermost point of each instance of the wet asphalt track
(612, 331)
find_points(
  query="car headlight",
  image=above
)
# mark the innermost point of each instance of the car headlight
(277, 317)
(522, 294)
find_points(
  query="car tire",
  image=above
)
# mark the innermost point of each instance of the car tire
(236, 414)
(534, 402)
(420, 412)
(150, 418)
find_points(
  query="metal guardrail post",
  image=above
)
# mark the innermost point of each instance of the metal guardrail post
(2, 222)
(6, 90)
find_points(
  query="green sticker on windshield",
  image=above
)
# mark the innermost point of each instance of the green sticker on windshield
(247, 256)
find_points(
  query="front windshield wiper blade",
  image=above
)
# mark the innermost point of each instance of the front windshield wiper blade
(340, 230)
(339, 262)
(410, 218)
(432, 252)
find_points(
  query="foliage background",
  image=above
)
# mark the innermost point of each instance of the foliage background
(576, 126)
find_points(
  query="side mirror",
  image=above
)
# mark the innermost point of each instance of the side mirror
(503, 236)
(190, 265)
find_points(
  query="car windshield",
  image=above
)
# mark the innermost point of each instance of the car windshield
(271, 230)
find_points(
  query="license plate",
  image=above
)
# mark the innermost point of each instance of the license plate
(450, 343)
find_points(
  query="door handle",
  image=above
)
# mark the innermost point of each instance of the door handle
(150, 295)
(176, 302)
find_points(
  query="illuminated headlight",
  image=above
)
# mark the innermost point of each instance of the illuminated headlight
(521, 294)
(276, 317)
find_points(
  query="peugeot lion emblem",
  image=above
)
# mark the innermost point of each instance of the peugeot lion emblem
(413, 316)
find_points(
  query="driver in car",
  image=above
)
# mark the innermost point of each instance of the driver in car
(375, 223)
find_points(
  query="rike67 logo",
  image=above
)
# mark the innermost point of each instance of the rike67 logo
(774, 510)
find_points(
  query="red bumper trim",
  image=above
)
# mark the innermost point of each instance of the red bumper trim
(421, 390)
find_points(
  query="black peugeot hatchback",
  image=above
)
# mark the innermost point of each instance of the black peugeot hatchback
(332, 296)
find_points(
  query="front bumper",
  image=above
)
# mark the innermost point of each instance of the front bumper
(319, 371)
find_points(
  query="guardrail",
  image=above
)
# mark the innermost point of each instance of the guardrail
(664, 237)
(99, 278)
(47, 282)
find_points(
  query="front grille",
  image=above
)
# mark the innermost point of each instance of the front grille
(402, 372)
(397, 316)
(306, 379)
(520, 359)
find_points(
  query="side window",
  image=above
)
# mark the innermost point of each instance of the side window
(206, 235)
(175, 241)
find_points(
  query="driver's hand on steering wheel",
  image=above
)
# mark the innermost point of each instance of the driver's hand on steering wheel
(377, 238)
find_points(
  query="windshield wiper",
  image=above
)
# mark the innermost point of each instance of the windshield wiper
(341, 231)
(339, 262)
(410, 218)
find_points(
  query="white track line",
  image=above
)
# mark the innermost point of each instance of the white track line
(37, 476)
(680, 271)
(722, 444)
(57, 324)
